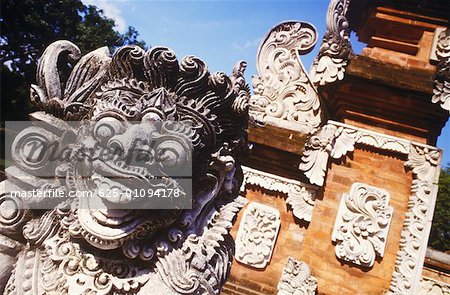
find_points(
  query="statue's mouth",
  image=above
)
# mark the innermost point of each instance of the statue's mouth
(121, 190)
(129, 184)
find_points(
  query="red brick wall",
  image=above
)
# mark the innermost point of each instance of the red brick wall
(312, 243)
(289, 242)
(335, 277)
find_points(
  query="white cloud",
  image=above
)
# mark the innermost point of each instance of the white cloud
(248, 44)
(111, 10)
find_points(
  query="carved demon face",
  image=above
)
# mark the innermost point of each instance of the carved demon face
(147, 124)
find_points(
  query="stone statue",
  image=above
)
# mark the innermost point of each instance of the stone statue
(80, 248)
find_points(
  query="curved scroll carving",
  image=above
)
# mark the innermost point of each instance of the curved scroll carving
(135, 97)
(283, 94)
(441, 91)
(184, 270)
(329, 65)
(241, 87)
(329, 140)
(337, 139)
(362, 224)
(424, 163)
(13, 215)
(73, 102)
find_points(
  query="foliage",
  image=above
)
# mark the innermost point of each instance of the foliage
(29, 26)
(440, 230)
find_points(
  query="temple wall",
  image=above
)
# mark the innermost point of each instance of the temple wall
(312, 242)
(289, 242)
(335, 276)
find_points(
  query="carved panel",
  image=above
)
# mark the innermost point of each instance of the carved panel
(423, 160)
(362, 224)
(258, 231)
(297, 279)
(283, 94)
(301, 197)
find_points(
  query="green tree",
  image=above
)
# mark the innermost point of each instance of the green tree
(29, 26)
(440, 229)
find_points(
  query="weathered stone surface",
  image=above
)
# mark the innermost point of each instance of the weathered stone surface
(283, 93)
(336, 50)
(77, 248)
(362, 224)
(297, 279)
(441, 91)
(257, 234)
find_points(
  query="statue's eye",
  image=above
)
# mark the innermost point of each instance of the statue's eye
(170, 154)
(107, 127)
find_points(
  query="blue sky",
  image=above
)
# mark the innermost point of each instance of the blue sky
(221, 32)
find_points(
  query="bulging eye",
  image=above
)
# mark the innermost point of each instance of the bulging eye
(107, 127)
(171, 154)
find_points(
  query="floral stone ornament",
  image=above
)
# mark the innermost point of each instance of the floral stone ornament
(297, 279)
(257, 234)
(362, 224)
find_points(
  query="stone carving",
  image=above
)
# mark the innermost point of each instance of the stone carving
(335, 51)
(297, 279)
(424, 162)
(241, 87)
(382, 141)
(132, 95)
(11, 221)
(336, 140)
(362, 224)
(441, 91)
(300, 197)
(258, 231)
(330, 140)
(431, 287)
(283, 94)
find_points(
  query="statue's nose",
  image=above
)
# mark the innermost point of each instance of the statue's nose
(132, 140)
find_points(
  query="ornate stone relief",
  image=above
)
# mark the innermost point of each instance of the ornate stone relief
(335, 51)
(362, 224)
(424, 162)
(301, 197)
(283, 94)
(431, 287)
(297, 279)
(441, 91)
(330, 140)
(128, 96)
(382, 141)
(336, 140)
(257, 233)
